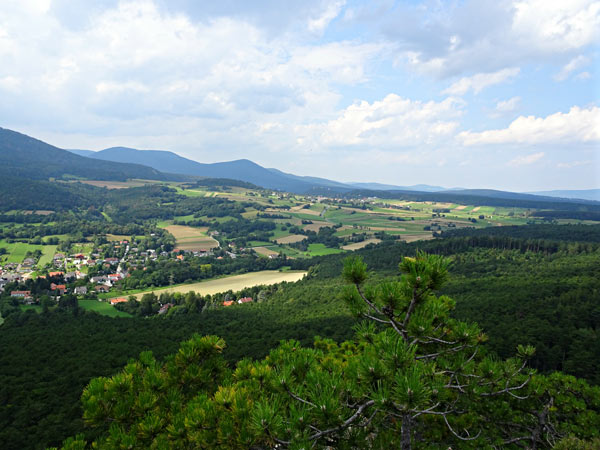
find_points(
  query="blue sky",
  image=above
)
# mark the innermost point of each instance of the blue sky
(478, 94)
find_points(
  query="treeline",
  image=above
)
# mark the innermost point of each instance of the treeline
(568, 233)
(167, 271)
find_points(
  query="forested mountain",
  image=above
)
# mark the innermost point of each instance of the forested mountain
(242, 169)
(28, 158)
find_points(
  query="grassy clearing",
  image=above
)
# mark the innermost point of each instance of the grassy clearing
(320, 250)
(47, 255)
(234, 283)
(104, 308)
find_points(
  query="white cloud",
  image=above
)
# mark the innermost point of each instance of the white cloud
(571, 66)
(577, 126)
(480, 81)
(571, 164)
(391, 122)
(446, 39)
(318, 25)
(508, 106)
(526, 160)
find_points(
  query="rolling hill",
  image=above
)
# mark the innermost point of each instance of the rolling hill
(24, 157)
(241, 169)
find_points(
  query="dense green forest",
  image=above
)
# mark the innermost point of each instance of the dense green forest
(534, 289)
(411, 376)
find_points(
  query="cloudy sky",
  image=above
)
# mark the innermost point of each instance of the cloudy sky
(474, 93)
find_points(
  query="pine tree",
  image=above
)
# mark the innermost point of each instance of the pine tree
(413, 377)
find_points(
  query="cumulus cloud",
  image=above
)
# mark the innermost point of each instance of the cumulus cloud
(526, 160)
(576, 126)
(446, 39)
(392, 121)
(480, 81)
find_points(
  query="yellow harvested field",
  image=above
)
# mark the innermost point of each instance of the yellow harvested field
(192, 238)
(182, 231)
(235, 283)
(476, 209)
(316, 226)
(265, 251)
(460, 208)
(387, 229)
(114, 184)
(416, 237)
(292, 238)
(359, 245)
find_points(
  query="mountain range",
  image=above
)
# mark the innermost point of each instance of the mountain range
(22, 156)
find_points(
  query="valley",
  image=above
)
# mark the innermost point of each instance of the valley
(126, 264)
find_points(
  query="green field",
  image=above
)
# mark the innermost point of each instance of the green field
(104, 308)
(16, 251)
(320, 250)
(47, 255)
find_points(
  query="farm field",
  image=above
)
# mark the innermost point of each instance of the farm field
(190, 238)
(320, 250)
(359, 245)
(234, 283)
(47, 255)
(16, 251)
(117, 184)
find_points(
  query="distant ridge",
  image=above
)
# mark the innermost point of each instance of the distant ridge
(26, 157)
(241, 169)
(584, 194)
(390, 187)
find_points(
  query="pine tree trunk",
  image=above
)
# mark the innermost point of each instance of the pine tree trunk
(406, 425)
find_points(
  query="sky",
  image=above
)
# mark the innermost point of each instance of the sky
(498, 94)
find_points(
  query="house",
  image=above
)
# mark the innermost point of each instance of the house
(22, 295)
(55, 274)
(58, 288)
(164, 308)
(228, 303)
(114, 301)
(101, 288)
(70, 276)
(112, 260)
(80, 290)
(245, 300)
(113, 277)
(99, 279)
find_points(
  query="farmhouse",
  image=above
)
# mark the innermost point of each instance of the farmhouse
(114, 301)
(101, 288)
(164, 308)
(22, 295)
(245, 300)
